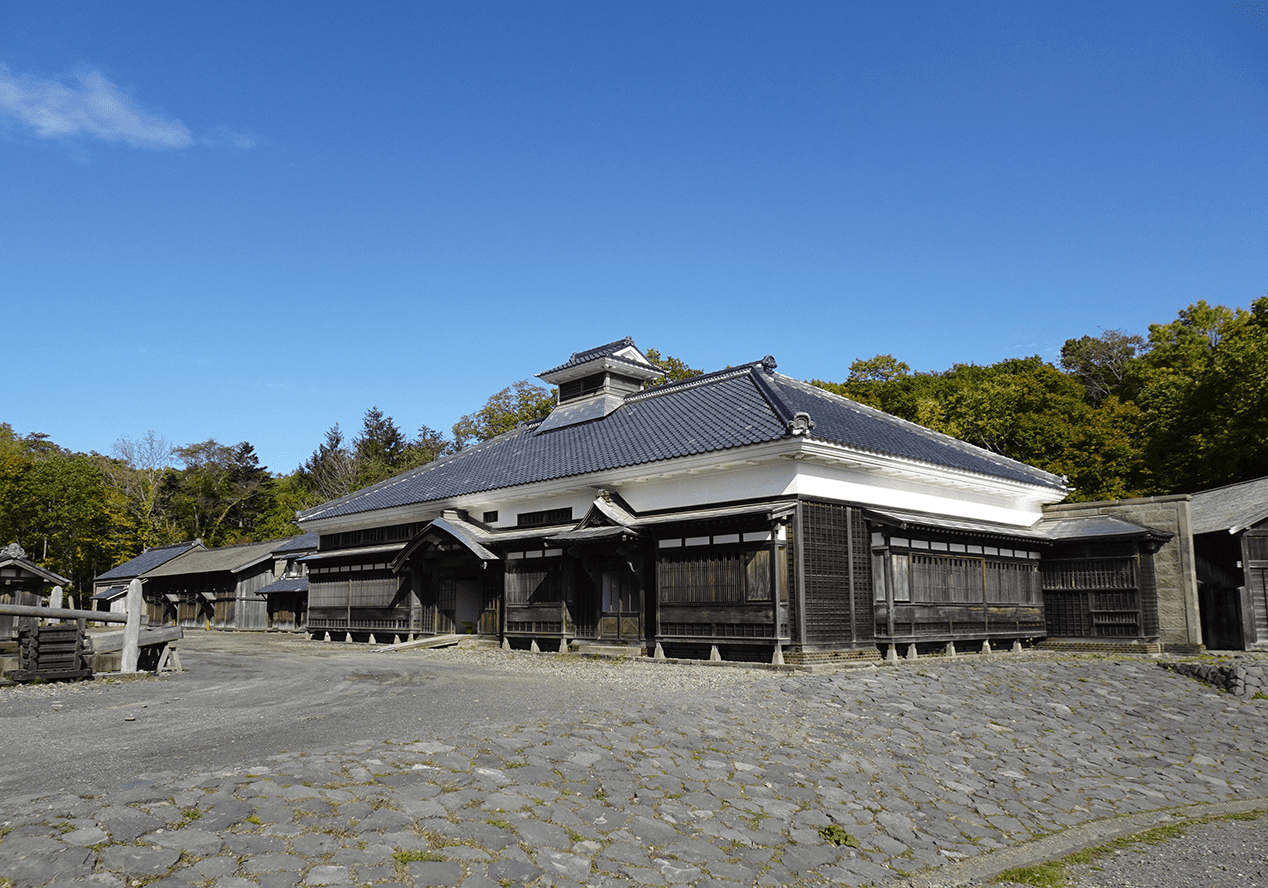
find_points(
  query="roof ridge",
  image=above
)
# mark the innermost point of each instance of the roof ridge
(1230, 486)
(684, 384)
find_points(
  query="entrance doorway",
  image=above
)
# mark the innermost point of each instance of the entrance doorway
(620, 608)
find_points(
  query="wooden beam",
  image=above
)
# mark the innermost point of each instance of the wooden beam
(61, 613)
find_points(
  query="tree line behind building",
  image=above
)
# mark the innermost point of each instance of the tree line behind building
(1182, 409)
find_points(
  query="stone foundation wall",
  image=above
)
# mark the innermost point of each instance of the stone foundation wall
(1101, 647)
(1239, 679)
(807, 658)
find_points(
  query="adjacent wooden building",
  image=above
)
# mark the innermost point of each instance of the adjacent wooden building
(252, 586)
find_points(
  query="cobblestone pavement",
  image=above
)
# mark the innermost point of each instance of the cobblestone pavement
(669, 775)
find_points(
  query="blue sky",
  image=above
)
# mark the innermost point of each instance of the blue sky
(249, 221)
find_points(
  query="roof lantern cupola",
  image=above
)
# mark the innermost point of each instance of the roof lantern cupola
(595, 382)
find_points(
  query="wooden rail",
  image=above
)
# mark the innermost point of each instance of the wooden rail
(61, 613)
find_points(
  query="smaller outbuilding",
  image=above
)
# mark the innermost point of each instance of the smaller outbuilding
(247, 586)
(110, 589)
(22, 582)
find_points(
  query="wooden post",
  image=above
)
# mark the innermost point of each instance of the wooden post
(132, 629)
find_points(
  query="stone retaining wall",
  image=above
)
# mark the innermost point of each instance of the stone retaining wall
(1244, 679)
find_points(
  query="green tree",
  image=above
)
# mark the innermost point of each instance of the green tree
(55, 504)
(519, 402)
(380, 451)
(331, 471)
(1021, 408)
(220, 493)
(1204, 392)
(1102, 362)
(673, 369)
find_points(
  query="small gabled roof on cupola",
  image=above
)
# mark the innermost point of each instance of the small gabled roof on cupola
(621, 357)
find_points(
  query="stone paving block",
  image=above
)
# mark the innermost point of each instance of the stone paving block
(536, 834)
(197, 842)
(272, 863)
(252, 844)
(92, 835)
(31, 861)
(516, 872)
(132, 860)
(645, 875)
(233, 882)
(213, 867)
(320, 876)
(278, 880)
(563, 864)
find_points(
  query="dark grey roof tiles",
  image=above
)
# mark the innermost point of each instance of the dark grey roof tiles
(147, 560)
(715, 412)
(301, 543)
(843, 421)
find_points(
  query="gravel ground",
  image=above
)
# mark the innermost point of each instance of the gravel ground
(280, 763)
(1219, 854)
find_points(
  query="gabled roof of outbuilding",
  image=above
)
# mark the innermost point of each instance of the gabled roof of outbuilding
(224, 558)
(148, 560)
(1232, 508)
(737, 407)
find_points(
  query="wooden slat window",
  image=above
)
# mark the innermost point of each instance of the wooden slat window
(539, 584)
(1090, 573)
(701, 575)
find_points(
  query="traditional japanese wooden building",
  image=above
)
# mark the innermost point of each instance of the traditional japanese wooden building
(231, 587)
(110, 589)
(742, 510)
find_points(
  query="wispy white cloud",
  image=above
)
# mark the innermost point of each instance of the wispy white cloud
(96, 108)
(223, 137)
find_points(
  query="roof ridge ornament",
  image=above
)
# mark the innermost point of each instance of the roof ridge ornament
(768, 364)
(13, 550)
(801, 423)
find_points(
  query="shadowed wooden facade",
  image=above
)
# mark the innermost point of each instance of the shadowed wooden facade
(1101, 591)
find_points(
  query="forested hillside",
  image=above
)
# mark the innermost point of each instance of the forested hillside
(1182, 409)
